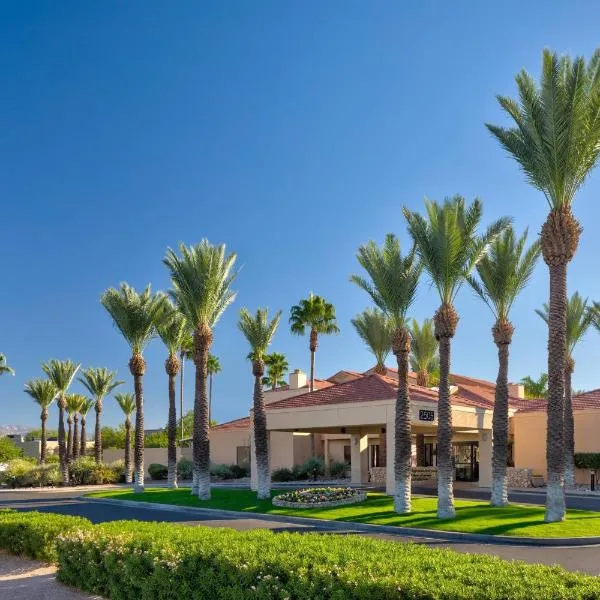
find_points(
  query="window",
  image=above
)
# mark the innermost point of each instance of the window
(243, 456)
(347, 454)
(374, 455)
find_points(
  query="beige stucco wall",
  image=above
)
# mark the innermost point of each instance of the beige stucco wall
(223, 445)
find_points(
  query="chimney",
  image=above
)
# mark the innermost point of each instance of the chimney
(516, 389)
(297, 379)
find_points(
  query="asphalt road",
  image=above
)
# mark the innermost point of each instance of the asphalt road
(586, 559)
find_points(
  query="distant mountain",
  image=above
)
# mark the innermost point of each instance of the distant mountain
(14, 429)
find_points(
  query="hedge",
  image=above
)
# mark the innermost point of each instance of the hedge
(587, 460)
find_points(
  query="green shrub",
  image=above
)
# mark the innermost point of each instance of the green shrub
(221, 471)
(9, 450)
(158, 471)
(587, 460)
(34, 534)
(338, 469)
(128, 560)
(41, 476)
(85, 471)
(314, 464)
(299, 473)
(282, 475)
(239, 471)
(185, 469)
(16, 472)
(52, 459)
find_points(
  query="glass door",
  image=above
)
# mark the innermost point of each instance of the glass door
(466, 460)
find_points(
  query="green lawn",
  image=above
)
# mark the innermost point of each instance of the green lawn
(471, 516)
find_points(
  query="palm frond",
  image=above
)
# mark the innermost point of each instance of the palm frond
(213, 366)
(126, 401)
(99, 382)
(424, 347)
(277, 367)
(375, 330)
(315, 313)
(172, 328)
(43, 391)
(4, 368)
(258, 330)
(75, 403)
(86, 407)
(61, 373)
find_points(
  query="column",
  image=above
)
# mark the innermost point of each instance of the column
(390, 441)
(485, 458)
(326, 454)
(359, 458)
(420, 449)
(382, 448)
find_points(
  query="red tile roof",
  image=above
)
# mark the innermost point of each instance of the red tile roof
(242, 423)
(320, 384)
(583, 401)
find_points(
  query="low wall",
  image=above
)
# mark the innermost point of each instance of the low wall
(519, 477)
(424, 473)
(378, 475)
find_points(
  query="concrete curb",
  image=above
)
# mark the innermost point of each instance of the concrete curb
(349, 526)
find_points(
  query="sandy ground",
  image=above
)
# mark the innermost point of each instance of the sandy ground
(24, 579)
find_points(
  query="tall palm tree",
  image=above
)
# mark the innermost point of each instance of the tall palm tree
(424, 358)
(61, 373)
(392, 285)
(375, 330)
(85, 409)
(127, 403)
(44, 392)
(450, 247)
(201, 276)
(556, 142)
(535, 388)
(75, 404)
(579, 319)
(318, 316)
(186, 352)
(259, 332)
(4, 368)
(172, 329)
(503, 274)
(99, 382)
(213, 367)
(134, 315)
(277, 367)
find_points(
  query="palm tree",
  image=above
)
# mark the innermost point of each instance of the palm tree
(186, 352)
(127, 403)
(134, 315)
(277, 367)
(579, 319)
(4, 368)
(44, 392)
(503, 274)
(172, 329)
(75, 404)
(318, 315)
(535, 388)
(424, 358)
(61, 373)
(85, 409)
(201, 278)
(450, 247)
(392, 285)
(375, 330)
(556, 142)
(259, 332)
(213, 367)
(99, 382)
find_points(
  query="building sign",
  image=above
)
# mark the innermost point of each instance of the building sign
(426, 415)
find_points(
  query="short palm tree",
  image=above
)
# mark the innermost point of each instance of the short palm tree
(535, 388)
(375, 329)
(555, 139)
(579, 319)
(392, 285)
(85, 409)
(99, 382)
(503, 274)
(127, 403)
(277, 367)
(61, 373)
(450, 248)
(44, 392)
(74, 405)
(213, 367)
(201, 277)
(134, 315)
(172, 329)
(259, 331)
(186, 352)
(424, 358)
(4, 368)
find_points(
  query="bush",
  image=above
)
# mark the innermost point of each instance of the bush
(157, 439)
(161, 560)
(85, 471)
(314, 464)
(587, 460)
(339, 469)
(41, 476)
(158, 471)
(239, 471)
(34, 534)
(16, 472)
(185, 469)
(299, 473)
(221, 472)
(282, 475)
(9, 450)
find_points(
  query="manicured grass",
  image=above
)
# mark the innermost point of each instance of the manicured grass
(471, 516)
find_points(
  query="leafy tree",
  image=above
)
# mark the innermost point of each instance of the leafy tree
(392, 285)
(43, 392)
(277, 367)
(503, 274)
(375, 330)
(126, 402)
(114, 437)
(424, 358)
(201, 276)
(213, 367)
(9, 450)
(555, 139)
(134, 315)
(4, 368)
(36, 434)
(157, 439)
(259, 331)
(450, 247)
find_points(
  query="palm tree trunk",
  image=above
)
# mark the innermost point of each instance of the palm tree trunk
(201, 443)
(557, 331)
(83, 438)
(172, 368)
(69, 438)
(44, 418)
(502, 333)
(314, 341)
(62, 450)
(75, 449)
(420, 443)
(569, 426)
(423, 378)
(137, 366)
(182, 361)
(98, 432)
(128, 474)
(402, 446)
(210, 400)
(261, 435)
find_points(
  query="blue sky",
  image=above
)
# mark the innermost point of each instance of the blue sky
(293, 132)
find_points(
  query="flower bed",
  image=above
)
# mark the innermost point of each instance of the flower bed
(319, 497)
